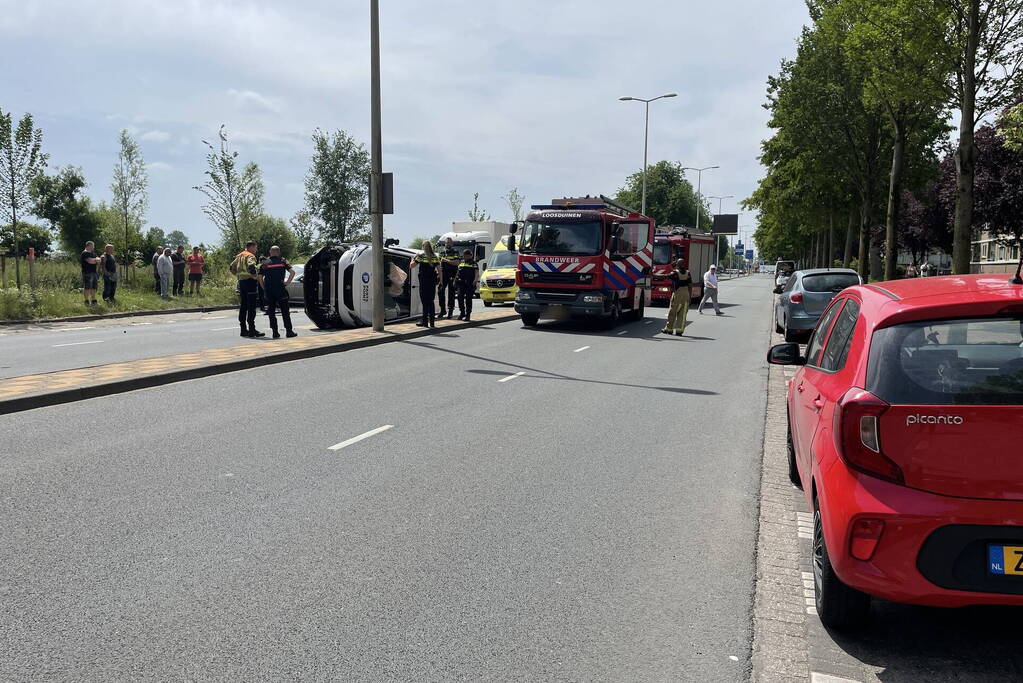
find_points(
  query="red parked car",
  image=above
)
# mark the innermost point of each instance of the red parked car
(906, 435)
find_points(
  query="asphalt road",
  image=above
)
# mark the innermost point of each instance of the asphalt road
(551, 503)
(46, 347)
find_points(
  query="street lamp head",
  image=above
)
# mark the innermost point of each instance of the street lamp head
(626, 99)
(671, 94)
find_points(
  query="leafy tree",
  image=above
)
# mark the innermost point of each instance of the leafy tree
(29, 237)
(224, 190)
(268, 231)
(251, 198)
(153, 238)
(476, 214)
(985, 49)
(670, 198)
(21, 159)
(337, 185)
(417, 242)
(176, 237)
(304, 227)
(130, 188)
(514, 200)
(57, 199)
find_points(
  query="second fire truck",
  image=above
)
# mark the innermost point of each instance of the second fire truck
(696, 249)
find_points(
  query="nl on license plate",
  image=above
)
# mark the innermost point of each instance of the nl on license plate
(1005, 559)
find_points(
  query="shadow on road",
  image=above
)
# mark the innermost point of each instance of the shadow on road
(544, 374)
(913, 643)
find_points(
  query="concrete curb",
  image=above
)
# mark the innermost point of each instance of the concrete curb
(22, 403)
(124, 314)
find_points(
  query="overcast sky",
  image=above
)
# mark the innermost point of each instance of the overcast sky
(478, 95)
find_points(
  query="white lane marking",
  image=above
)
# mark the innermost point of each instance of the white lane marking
(511, 377)
(73, 329)
(623, 332)
(169, 322)
(216, 317)
(581, 350)
(98, 341)
(221, 329)
(648, 322)
(142, 323)
(818, 677)
(360, 437)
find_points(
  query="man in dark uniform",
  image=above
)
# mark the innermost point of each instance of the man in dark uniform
(429, 264)
(449, 260)
(275, 287)
(468, 276)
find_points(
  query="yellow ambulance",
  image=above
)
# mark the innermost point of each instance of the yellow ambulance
(497, 283)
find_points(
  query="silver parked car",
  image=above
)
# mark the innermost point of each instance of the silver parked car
(805, 295)
(295, 293)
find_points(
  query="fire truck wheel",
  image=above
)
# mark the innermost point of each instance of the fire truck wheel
(639, 313)
(530, 319)
(488, 304)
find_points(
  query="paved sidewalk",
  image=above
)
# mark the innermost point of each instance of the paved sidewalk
(33, 391)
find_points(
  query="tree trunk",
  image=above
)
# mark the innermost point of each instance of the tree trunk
(864, 254)
(891, 242)
(847, 254)
(14, 239)
(876, 265)
(966, 154)
(831, 239)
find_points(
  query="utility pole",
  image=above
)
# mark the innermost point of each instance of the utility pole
(646, 135)
(376, 169)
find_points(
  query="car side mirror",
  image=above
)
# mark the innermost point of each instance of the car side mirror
(512, 229)
(777, 290)
(785, 354)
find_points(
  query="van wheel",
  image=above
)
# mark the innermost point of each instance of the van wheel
(488, 304)
(793, 468)
(839, 606)
(530, 319)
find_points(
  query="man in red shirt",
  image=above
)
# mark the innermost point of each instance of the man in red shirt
(195, 262)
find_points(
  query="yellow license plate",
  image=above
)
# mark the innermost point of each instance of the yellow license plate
(1005, 559)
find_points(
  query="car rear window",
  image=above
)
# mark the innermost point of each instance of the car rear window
(829, 282)
(975, 361)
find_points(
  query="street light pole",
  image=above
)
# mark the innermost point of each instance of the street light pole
(646, 136)
(376, 169)
(720, 201)
(699, 185)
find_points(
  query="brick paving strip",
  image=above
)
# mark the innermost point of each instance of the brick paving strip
(119, 314)
(64, 386)
(786, 643)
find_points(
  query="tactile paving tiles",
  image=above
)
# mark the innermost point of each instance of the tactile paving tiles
(94, 377)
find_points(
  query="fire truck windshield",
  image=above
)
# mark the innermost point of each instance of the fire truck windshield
(562, 238)
(662, 254)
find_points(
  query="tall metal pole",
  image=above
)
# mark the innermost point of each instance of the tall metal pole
(376, 169)
(699, 197)
(646, 135)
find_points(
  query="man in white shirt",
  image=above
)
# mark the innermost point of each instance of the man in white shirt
(165, 268)
(710, 289)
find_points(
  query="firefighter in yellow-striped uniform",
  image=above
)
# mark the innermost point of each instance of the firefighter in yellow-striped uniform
(466, 279)
(429, 273)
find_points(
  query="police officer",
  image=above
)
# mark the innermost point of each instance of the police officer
(450, 260)
(429, 271)
(245, 269)
(275, 287)
(468, 276)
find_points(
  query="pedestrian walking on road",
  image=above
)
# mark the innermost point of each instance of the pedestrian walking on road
(178, 260)
(195, 262)
(156, 271)
(275, 274)
(467, 278)
(710, 289)
(165, 267)
(109, 274)
(450, 259)
(244, 268)
(682, 294)
(429, 274)
(90, 273)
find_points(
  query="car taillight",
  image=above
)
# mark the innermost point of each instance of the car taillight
(796, 298)
(866, 534)
(857, 437)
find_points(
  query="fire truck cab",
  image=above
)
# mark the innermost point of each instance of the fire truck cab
(584, 257)
(696, 249)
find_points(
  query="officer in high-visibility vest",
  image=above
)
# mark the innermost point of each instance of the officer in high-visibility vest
(429, 272)
(245, 268)
(449, 262)
(468, 276)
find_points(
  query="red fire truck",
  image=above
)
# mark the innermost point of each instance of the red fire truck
(584, 257)
(696, 249)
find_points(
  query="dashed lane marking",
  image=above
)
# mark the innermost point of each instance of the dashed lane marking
(216, 317)
(581, 349)
(221, 329)
(73, 329)
(142, 323)
(818, 677)
(623, 332)
(360, 437)
(511, 377)
(98, 341)
(648, 322)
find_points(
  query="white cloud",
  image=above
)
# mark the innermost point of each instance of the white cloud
(155, 136)
(249, 99)
(159, 166)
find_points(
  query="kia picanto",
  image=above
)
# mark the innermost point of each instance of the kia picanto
(905, 425)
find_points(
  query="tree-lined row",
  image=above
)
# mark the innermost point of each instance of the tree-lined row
(862, 164)
(335, 199)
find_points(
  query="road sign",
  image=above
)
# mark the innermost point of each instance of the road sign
(749, 254)
(726, 224)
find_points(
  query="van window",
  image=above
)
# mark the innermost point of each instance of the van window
(974, 361)
(503, 259)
